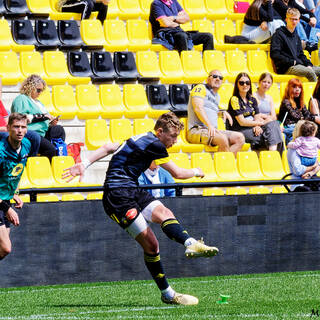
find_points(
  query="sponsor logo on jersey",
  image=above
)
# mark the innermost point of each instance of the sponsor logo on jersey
(17, 170)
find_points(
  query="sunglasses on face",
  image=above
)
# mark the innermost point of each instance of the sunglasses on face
(39, 90)
(215, 76)
(242, 83)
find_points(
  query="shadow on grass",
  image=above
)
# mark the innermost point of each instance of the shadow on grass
(81, 305)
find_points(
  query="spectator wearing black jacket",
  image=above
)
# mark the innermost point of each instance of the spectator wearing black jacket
(286, 50)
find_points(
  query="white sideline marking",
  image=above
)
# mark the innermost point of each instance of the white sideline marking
(34, 290)
(185, 316)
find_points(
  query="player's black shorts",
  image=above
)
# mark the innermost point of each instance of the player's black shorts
(3, 217)
(118, 201)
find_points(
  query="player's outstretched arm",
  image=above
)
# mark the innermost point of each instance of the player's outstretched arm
(182, 173)
(79, 168)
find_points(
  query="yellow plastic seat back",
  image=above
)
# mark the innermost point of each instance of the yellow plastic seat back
(226, 168)
(111, 101)
(115, 34)
(147, 64)
(92, 32)
(170, 66)
(135, 101)
(58, 165)
(31, 63)
(142, 125)
(182, 161)
(129, 9)
(120, 130)
(216, 9)
(195, 9)
(137, 31)
(64, 101)
(204, 161)
(193, 68)
(96, 133)
(248, 165)
(9, 68)
(271, 165)
(55, 66)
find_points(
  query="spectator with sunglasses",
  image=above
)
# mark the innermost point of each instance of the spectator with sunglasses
(39, 118)
(203, 113)
(260, 131)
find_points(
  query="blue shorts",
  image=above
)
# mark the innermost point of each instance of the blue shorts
(305, 161)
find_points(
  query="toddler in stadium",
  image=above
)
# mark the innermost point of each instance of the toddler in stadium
(307, 145)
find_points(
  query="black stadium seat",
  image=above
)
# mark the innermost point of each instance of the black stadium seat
(78, 64)
(69, 35)
(22, 32)
(3, 9)
(125, 66)
(46, 34)
(102, 67)
(158, 97)
(16, 8)
(179, 98)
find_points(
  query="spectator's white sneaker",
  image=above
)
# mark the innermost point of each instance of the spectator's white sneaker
(199, 249)
(183, 299)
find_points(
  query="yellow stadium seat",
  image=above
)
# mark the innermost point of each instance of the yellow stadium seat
(182, 161)
(185, 145)
(75, 196)
(186, 26)
(258, 63)
(92, 33)
(47, 198)
(226, 168)
(6, 40)
(113, 10)
(46, 99)
(145, 8)
(204, 161)
(222, 28)
(225, 93)
(58, 164)
(64, 101)
(37, 6)
(129, 9)
(120, 130)
(279, 189)
(193, 67)
(115, 34)
(24, 197)
(202, 25)
(285, 163)
(235, 191)
(56, 68)
(9, 68)
(88, 101)
(170, 66)
(154, 46)
(274, 92)
(315, 58)
(248, 165)
(40, 173)
(31, 63)
(111, 101)
(142, 125)
(137, 31)
(308, 88)
(236, 63)
(195, 9)
(207, 192)
(56, 15)
(135, 101)
(96, 133)
(95, 196)
(271, 165)
(148, 65)
(214, 60)
(283, 86)
(216, 9)
(24, 181)
(259, 190)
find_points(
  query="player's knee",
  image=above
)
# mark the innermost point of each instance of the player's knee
(5, 250)
(240, 139)
(153, 247)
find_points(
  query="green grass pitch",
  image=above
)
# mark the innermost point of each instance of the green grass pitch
(285, 296)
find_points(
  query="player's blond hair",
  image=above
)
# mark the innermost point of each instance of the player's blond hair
(293, 12)
(167, 121)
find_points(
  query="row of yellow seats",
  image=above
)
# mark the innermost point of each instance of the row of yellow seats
(231, 191)
(128, 9)
(192, 67)
(53, 68)
(97, 133)
(71, 196)
(87, 103)
(247, 166)
(136, 34)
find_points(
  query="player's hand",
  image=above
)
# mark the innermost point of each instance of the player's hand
(226, 115)
(211, 131)
(76, 170)
(264, 26)
(313, 22)
(13, 217)
(18, 201)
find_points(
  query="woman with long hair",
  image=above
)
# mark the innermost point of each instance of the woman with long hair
(293, 109)
(261, 21)
(260, 131)
(40, 120)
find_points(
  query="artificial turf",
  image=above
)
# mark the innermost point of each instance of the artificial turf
(285, 296)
